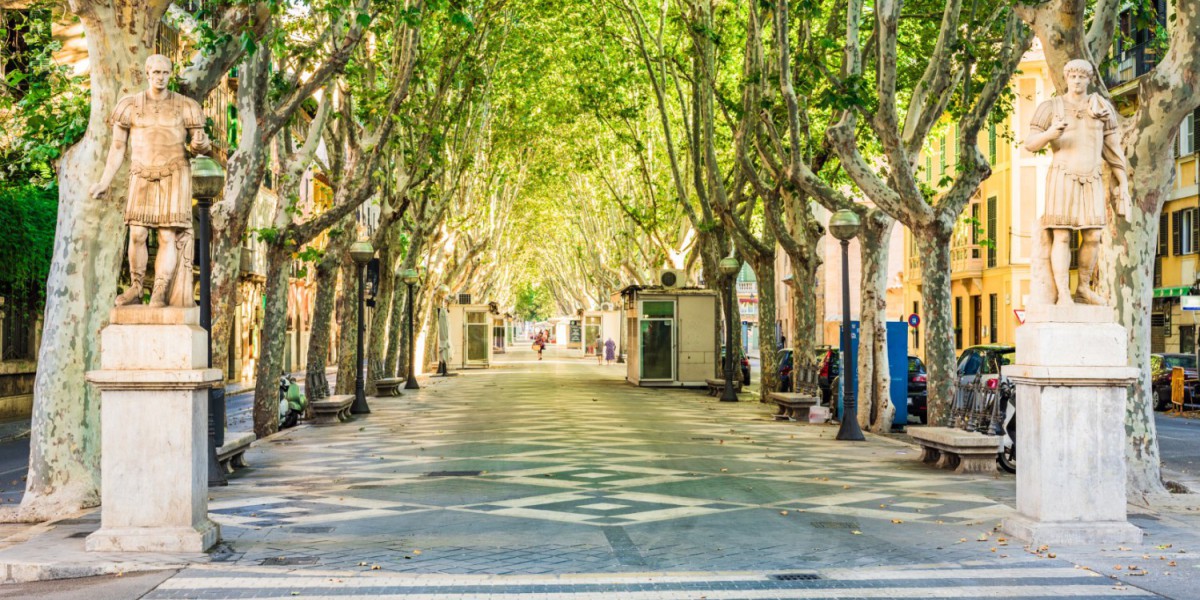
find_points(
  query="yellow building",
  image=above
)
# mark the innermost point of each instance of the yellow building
(991, 246)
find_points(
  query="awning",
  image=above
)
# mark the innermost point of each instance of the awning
(1172, 292)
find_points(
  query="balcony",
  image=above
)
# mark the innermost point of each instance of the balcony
(1133, 62)
(747, 288)
(967, 260)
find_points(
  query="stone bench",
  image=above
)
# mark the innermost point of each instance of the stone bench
(332, 410)
(389, 386)
(793, 406)
(963, 451)
(231, 454)
(717, 386)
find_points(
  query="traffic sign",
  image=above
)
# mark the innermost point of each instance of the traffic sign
(1189, 302)
(1020, 312)
(914, 320)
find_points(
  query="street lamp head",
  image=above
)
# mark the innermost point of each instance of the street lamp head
(362, 252)
(843, 225)
(410, 276)
(207, 178)
(728, 266)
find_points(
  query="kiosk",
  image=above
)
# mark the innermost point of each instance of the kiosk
(471, 335)
(672, 335)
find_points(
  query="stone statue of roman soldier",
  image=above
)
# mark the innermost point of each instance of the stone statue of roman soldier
(160, 128)
(1081, 129)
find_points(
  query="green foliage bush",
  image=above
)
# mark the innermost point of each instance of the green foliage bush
(28, 214)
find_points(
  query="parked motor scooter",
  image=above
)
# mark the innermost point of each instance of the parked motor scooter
(1007, 458)
(291, 401)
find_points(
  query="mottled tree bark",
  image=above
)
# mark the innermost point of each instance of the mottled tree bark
(377, 368)
(875, 409)
(64, 445)
(274, 335)
(316, 382)
(347, 307)
(940, 359)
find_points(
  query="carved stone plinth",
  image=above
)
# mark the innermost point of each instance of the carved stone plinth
(154, 426)
(1071, 378)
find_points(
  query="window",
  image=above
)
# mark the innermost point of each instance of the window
(928, 166)
(993, 317)
(1187, 139)
(992, 143)
(1187, 338)
(1184, 232)
(991, 231)
(1075, 240)
(958, 322)
(942, 156)
(975, 222)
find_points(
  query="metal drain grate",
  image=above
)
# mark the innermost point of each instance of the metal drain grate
(794, 576)
(835, 524)
(280, 561)
(703, 439)
(454, 473)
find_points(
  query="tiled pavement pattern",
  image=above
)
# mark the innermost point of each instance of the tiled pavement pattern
(531, 473)
(1027, 582)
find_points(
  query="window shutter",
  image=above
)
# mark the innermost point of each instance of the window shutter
(1195, 231)
(1176, 242)
(1196, 130)
(1164, 234)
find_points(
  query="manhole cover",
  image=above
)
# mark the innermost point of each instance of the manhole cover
(835, 524)
(795, 576)
(454, 474)
(280, 561)
(311, 529)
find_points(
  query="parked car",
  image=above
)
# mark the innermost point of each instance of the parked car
(983, 361)
(785, 370)
(1160, 377)
(744, 367)
(828, 364)
(918, 405)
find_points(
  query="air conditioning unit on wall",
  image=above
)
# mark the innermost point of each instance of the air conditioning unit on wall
(672, 278)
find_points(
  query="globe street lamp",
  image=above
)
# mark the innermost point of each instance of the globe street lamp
(208, 178)
(729, 267)
(361, 252)
(411, 276)
(843, 225)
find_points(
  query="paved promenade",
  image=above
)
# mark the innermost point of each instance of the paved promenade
(556, 479)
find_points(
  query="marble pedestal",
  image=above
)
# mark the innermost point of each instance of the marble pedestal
(154, 385)
(1071, 378)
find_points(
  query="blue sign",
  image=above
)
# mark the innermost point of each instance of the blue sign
(914, 320)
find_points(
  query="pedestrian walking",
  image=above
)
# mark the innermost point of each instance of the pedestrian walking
(599, 343)
(540, 344)
(610, 351)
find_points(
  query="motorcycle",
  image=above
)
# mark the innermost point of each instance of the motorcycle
(291, 401)
(989, 406)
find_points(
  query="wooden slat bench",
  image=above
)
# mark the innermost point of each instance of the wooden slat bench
(951, 448)
(231, 454)
(717, 386)
(332, 410)
(389, 386)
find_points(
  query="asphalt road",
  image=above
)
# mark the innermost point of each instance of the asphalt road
(1179, 443)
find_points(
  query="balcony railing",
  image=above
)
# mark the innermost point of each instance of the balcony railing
(1133, 62)
(747, 288)
(967, 260)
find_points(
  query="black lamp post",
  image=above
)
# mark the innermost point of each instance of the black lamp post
(729, 267)
(207, 180)
(361, 252)
(843, 225)
(410, 279)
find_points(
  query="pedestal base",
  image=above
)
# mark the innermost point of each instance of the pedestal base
(154, 387)
(1071, 379)
(154, 539)
(1099, 533)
